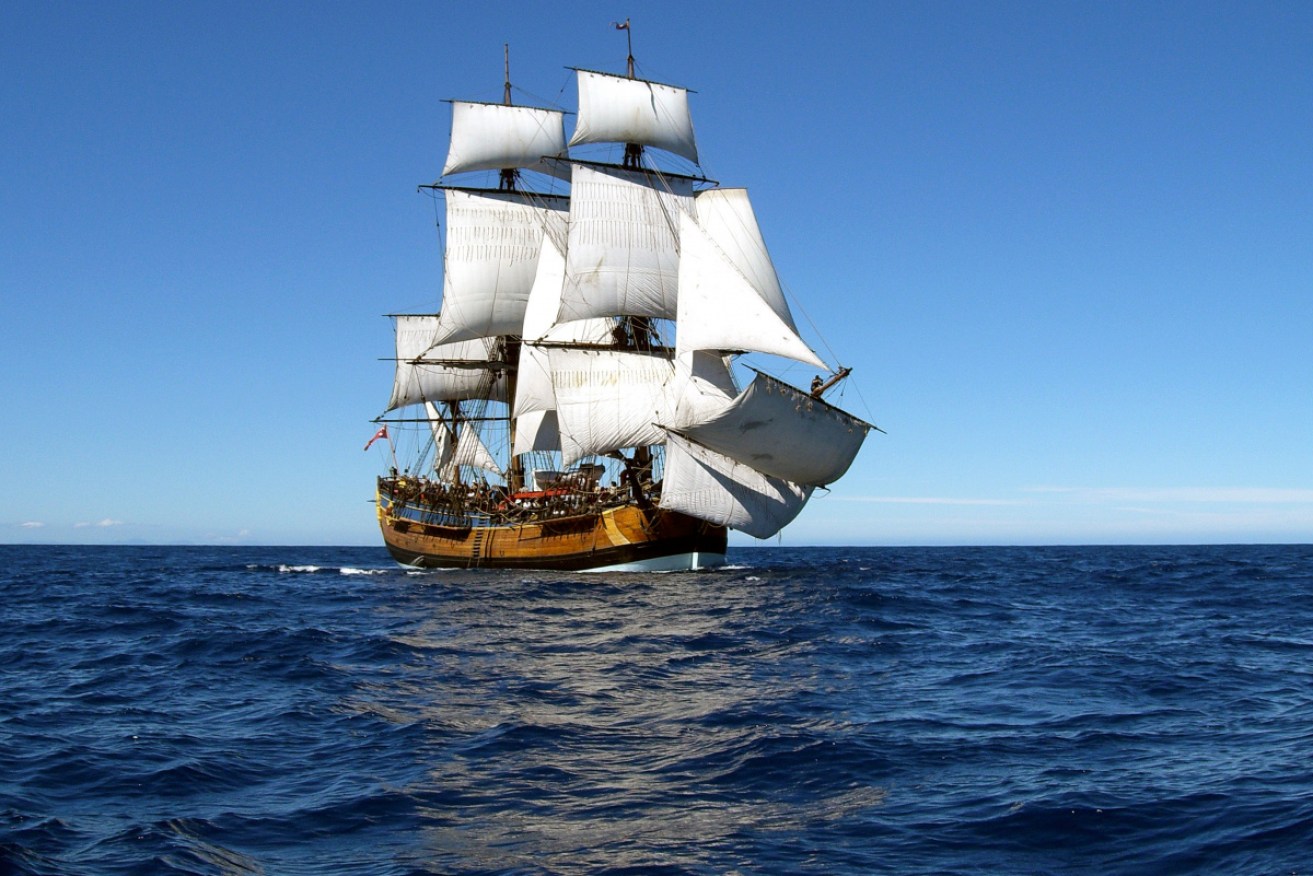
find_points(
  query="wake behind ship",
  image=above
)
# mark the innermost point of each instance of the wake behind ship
(573, 405)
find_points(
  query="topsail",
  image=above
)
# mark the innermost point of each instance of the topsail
(492, 136)
(493, 241)
(615, 109)
(623, 244)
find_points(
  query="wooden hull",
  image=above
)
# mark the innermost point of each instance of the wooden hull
(627, 537)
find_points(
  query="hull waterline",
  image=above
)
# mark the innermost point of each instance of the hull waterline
(625, 538)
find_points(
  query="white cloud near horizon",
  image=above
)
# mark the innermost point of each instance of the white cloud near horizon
(1219, 495)
(101, 523)
(926, 500)
(1142, 499)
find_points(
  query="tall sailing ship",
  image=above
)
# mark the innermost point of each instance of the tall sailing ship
(574, 405)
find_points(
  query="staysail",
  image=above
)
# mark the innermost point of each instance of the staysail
(453, 448)
(469, 450)
(534, 406)
(701, 386)
(729, 297)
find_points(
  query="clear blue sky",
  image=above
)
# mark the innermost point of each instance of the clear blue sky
(1067, 248)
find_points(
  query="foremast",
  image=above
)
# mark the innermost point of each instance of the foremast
(493, 239)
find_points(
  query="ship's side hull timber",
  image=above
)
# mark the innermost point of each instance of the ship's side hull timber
(626, 538)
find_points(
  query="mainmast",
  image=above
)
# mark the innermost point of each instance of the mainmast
(508, 174)
(629, 37)
(633, 332)
(515, 470)
(506, 95)
(633, 151)
(511, 343)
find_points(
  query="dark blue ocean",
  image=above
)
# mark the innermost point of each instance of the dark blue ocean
(855, 710)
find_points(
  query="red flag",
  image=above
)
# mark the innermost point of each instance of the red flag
(619, 26)
(381, 433)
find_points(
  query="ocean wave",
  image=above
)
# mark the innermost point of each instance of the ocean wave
(1062, 710)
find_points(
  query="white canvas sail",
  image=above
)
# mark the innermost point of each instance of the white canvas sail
(615, 109)
(533, 389)
(608, 399)
(490, 136)
(728, 218)
(536, 430)
(706, 485)
(784, 433)
(533, 382)
(444, 372)
(623, 253)
(493, 242)
(701, 387)
(443, 439)
(720, 308)
(469, 450)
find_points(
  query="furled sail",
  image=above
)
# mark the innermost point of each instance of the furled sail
(784, 433)
(493, 241)
(445, 372)
(491, 136)
(623, 252)
(608, 399)
(706, 485)
(729, 298)
(615, 109)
